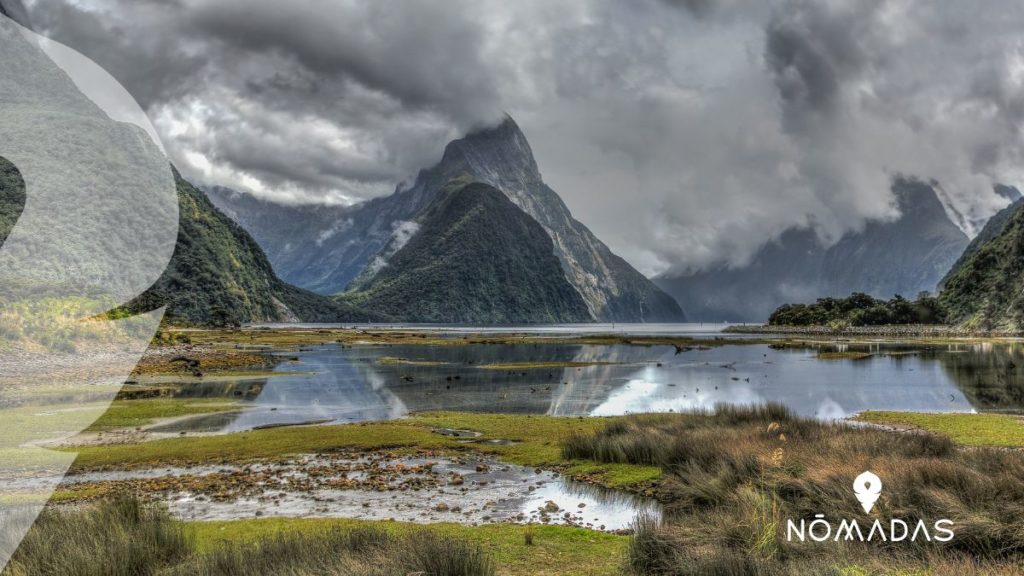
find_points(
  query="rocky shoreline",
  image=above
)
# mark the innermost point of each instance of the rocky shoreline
(194, 359)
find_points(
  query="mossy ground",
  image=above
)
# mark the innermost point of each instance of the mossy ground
(733, 476)
(537, 440)
(994, 430)
(543, 441)
(849, 355)
(135, 413)
(407, 362)
(556, 550)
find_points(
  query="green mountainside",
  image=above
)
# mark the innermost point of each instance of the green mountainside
(12, 197)
(985, 289)
(218, 274)
(993, 228)
(476, 258)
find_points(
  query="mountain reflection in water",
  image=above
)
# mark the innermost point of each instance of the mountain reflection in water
(334, 383)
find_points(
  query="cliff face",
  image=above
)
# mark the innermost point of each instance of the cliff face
(326, 249)
(904, 257)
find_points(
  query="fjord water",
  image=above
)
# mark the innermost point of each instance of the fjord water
(329, 382)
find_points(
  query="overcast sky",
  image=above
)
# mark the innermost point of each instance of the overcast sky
(682, 132)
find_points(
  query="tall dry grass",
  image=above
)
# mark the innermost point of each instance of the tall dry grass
(117, 538)
(733, 476)
(126, 538)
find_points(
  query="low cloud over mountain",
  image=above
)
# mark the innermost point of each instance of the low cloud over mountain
(684, 133)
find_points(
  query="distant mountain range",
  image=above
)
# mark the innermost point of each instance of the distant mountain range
(326, 249)
(480, 238)
(907, 256)
(217, 274)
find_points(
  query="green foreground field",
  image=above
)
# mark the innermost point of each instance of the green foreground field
(555, 550)
(981, 430)
(725, 506)
(726, 479)
(538, 441)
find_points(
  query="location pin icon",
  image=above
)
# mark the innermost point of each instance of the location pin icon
(867, 487)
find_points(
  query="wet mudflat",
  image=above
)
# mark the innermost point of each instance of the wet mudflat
(378, 486)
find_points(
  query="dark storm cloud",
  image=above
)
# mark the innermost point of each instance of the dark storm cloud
(413, 52)
(696, 7)
(155, 66)
(339, 108)
(15, 10)
(808, 58)
(684, 132)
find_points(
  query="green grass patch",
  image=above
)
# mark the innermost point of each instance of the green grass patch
(849, 355)
(999, 430)
(259, 444)
(538, 444)
(613, 475)
(556, 550)
(135, 413)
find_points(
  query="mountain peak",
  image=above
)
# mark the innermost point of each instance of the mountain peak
(1011, 193)
(475, 258)
(495, 154)
(917, 197)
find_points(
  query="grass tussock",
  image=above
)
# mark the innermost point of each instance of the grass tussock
(732, 477)
(126, 538)
(362, 551)
(118, 538)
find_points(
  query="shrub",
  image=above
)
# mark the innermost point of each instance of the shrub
(861, 310)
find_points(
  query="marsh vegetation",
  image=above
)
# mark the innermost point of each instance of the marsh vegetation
(732, 477)
(124, 537)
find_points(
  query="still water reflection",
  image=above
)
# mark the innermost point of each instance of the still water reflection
(332, 383)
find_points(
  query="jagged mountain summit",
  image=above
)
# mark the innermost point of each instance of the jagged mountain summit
(905, 257)
(325, 250)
